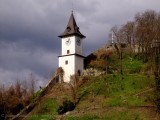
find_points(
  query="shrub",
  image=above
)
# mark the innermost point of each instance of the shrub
(2, 112)
(66, 106)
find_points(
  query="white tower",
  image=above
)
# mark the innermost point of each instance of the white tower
(71, 60)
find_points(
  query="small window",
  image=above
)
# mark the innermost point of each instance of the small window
(66, 62)
(68, 29)
(68, 51)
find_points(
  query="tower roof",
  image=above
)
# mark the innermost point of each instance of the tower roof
(72, 28)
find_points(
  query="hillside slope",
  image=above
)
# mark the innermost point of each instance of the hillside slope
(111, 96)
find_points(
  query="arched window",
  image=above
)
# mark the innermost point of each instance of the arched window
(68, 29)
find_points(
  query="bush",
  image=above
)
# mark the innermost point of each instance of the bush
(2, 112)
(66, 106)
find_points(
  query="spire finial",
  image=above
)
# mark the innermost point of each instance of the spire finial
(72, 6)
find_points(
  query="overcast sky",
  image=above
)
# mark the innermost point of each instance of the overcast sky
(29, 30)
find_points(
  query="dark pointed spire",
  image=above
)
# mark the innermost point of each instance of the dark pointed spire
(72, 28)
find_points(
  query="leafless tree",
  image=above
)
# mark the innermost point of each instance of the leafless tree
(32, 82)
(18, 91)
(60, 73)
(146, 30)
(128, 33)
(74, 81)
(117, 39)
(139, 33)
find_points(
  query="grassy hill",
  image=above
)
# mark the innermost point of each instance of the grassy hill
(116, 97)
(112, 96)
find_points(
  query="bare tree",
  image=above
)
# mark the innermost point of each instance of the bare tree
(128, 33)
(74, 81)
(146, 30)
(32, 82)
(139, 33)
(18, 91)
(15, 97)
(60, 73)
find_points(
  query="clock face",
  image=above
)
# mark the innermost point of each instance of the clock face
(68, 41)
(78, 42)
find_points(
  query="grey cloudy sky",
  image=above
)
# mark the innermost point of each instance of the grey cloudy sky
(29, 30)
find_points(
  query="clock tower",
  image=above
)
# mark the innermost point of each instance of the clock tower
(71, 59)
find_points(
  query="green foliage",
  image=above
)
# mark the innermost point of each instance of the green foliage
(36, 94)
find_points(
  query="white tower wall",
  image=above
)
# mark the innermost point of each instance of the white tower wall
(72, 47)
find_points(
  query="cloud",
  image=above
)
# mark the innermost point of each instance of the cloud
(29, 30)
(9, 77)
(18, 63)
(28, 23)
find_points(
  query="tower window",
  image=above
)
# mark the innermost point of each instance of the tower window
(68, 29)
(68, 51)
(66, 62)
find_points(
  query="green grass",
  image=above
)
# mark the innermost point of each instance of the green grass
(47, 109)
(128, 84)
(126, 115)
(50, 106)
(124, 102)
(116, 95)
(42, 117)
(132, 65)
(85, 117)
(118, 87)
(117, 90)
(113, 115)
(36, 94)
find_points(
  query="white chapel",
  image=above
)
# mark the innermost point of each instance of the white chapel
(71, 59)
